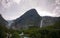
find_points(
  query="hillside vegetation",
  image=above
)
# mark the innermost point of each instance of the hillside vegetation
(52, 31)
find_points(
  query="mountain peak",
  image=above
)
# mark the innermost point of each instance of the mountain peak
(30, 18)
(2, 20)
(0, 16)
(33, 11)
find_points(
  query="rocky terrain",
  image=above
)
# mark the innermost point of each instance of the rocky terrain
(29, 19)
(3, 21)
(47, 20)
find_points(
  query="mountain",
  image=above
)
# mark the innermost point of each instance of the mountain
(48, 20)
(32, 19)
(2, 21)
(29, 19)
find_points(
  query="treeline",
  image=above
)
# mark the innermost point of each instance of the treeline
(52, 31)
(8, 33)
(44, 33)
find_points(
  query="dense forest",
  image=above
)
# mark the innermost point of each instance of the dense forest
(52, 31)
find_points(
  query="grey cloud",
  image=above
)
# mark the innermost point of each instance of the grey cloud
(15, 10)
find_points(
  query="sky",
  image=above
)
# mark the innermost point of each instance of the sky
(12, 9)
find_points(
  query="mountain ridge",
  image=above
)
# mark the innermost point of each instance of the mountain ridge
(31, 18)
(3, 21)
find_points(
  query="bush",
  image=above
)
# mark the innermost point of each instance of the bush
(15, 35)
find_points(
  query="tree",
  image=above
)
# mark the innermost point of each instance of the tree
(15, 35)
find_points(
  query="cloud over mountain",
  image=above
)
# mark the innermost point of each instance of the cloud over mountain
(12, 9)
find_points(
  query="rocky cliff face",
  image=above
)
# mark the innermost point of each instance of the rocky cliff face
(30, 18)
(3, 21)
(47, 20)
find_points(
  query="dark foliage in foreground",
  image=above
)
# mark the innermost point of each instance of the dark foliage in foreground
(44, 32)
(33, 32)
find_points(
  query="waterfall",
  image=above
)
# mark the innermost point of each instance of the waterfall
(41, 23)
(9, 23)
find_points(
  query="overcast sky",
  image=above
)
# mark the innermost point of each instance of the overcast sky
(12, 9)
